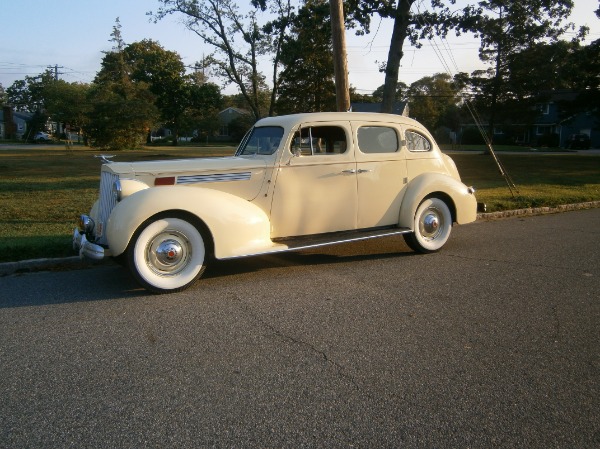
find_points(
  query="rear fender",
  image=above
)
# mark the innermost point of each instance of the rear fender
(237, 226)
(463, 203)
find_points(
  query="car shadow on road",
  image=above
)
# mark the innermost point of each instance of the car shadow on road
(110, 281)
(88, 283)
(352, 252)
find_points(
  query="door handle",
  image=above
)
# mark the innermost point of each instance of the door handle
(362, 170)
(351, 171)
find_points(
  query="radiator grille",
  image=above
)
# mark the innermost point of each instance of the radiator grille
(107, 204)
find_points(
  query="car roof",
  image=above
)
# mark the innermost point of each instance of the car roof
(294, 119)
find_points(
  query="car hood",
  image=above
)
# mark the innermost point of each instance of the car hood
(237, 175)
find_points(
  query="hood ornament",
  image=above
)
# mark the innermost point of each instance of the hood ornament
(106, 158)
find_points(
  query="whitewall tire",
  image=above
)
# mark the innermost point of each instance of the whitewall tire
(167, 255)
(432, 226)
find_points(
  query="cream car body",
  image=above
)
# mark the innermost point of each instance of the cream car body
(296, 181)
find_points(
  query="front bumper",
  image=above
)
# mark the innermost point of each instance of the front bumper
(86, 248)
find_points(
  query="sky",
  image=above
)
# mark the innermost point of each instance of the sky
(72, 35)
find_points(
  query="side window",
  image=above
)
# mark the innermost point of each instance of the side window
(316, 140)
(377, 139)
(416, 142)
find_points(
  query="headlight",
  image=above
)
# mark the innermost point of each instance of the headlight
(117, 190)
(86, 224)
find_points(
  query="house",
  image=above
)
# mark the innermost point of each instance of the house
(227, 117)
(13, 125)
(557, 118)
(399, 108)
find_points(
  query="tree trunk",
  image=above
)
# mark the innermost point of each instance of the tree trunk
(401, 23)
(340, 61)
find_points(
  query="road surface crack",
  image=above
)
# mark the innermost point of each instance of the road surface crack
(339, 368)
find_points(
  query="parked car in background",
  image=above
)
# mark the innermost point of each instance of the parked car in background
(295, 182)
(42, 137)
(579, 142)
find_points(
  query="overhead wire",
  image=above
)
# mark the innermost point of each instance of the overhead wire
(468, 104)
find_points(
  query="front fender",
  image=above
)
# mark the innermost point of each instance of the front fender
(426, 184)
(237, 226)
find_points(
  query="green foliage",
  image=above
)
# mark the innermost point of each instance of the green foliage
(307, 77)
(28, 94)
(238, 40)
(432, 99)
(122, 115)
(67, 102)
(3, 97)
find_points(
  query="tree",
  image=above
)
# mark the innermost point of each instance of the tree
(67, 102)
(123, 111)
(3, 97)
(432, 99)
(505, 28)
(238, 40)
(408, 24)
(306, 56)
(164, 73)
(27, 95)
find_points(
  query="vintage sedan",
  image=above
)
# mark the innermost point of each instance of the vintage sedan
(295, 182)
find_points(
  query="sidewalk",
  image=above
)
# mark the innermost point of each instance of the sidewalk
(75, 263)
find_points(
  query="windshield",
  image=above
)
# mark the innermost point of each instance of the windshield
(263, 140)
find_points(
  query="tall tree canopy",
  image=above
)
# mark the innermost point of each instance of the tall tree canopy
(123, 110)
(238, 40)
(433, 99)
(307, 76)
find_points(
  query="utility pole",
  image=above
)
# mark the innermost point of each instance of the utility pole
(340, 60)
(58, 127)
(55, 67)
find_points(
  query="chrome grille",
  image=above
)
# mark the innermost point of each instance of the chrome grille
(107, 204)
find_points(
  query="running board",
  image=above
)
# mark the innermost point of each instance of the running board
(315, 241)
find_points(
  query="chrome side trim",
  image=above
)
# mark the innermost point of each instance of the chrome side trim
(317, 241)
(215, 177)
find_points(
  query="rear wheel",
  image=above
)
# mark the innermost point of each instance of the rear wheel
(167, 255)
(432, 226)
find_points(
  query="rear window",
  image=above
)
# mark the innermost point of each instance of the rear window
(377, 139)
(416, 142)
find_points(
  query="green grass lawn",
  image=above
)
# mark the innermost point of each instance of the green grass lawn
(43, 190)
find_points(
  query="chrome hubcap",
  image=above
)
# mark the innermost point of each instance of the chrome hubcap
(168, 253)
(431, 224)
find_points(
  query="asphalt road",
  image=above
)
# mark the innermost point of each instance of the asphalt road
(493, 342)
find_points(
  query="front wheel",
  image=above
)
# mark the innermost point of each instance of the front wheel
(432, 226)
(167, 255)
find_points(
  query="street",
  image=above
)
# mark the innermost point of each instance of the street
(493, 342)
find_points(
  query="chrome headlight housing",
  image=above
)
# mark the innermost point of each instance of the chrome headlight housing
(117, 190)
(124, 187)
(85, 224)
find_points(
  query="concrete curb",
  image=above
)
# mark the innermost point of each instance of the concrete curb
(59, 264)
(538, 210)
(74, 262)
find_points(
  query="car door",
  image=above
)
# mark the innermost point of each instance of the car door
(381, 173)
(315, 190)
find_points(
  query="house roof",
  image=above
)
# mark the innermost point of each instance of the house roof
(236, 110)
(25, 116)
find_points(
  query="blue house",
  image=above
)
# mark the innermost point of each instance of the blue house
(553, 119)
(13, 125)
